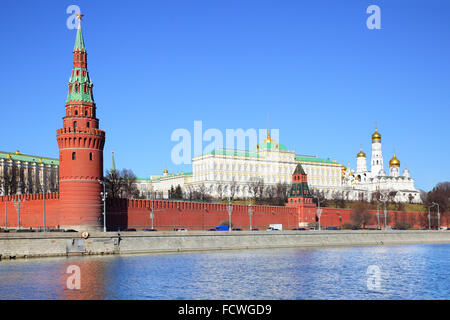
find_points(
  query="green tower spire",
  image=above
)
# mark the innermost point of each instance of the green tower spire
(79, 42)
(113, 163)
(80, 85)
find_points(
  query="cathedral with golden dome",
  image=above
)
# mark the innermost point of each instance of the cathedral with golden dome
(362, 184)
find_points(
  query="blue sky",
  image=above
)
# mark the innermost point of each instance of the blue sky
(323, 78)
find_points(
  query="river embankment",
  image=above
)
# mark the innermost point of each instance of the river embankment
(52, 244)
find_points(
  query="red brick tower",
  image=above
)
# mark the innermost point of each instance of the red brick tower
(301, 198)
(81, 145)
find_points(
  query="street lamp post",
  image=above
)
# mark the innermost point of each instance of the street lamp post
(152, 214)
(18, 206)
(250, 213)
(429, 218)
(43, 197)
(6, 215)
(378, 216)
(103, 195)
(230, 210)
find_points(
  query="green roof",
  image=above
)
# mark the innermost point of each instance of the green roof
(165, 177)
(299, 169)
(79, 42)
(236, 153)
(17, 156)
(273, 146)
(313, 159)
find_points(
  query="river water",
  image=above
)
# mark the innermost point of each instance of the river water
(370, 272)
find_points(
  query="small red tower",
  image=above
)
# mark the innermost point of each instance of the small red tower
(301, 198)
(80, 143)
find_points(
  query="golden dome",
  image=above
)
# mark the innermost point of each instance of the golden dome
(394, 162)
(376, 137)
(268, 139)
(361, 154)
(166, 171)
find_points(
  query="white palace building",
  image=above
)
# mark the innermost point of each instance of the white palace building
(220, 170)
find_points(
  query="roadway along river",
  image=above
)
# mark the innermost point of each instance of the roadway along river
(371, 272)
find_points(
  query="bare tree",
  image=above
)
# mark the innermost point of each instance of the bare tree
(361, 216)
(219, 189)
(319, 196)
(233, 187)
(282, 194)
(10, 179)
(255, 185)
(129, 189)
(113, 183)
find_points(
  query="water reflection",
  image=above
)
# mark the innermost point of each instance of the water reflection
(407, 272)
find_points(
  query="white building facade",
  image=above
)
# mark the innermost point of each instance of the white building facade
(362, 184)
(225, 173)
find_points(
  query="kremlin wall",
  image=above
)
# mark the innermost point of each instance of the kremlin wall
(79, 206)
(129, 213)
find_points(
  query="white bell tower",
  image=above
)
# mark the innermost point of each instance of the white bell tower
(377, 168)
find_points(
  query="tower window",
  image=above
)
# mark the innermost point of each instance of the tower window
(90, 156)
(74, 155)
(76, 112)
(74, 125)
(86, 113)
(87, 124)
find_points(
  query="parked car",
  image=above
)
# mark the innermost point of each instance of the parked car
(180, 229)
(272, 229)
(254, 229)
(130, 229)
(70, 230)
(222, 228)
(211, 229)
(237, 229)
(299, 229)
(25, 230)
(332, 228)
(149, 230)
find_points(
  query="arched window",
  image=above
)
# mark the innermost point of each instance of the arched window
(76, 112)
(87, 125)
(90, 156)
(74, 155)
(74, 125)
(85, 113)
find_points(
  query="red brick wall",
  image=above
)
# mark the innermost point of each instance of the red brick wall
(194, 215)
(191, 215)
(31, 212)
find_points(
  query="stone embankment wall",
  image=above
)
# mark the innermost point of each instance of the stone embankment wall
(24, 245)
